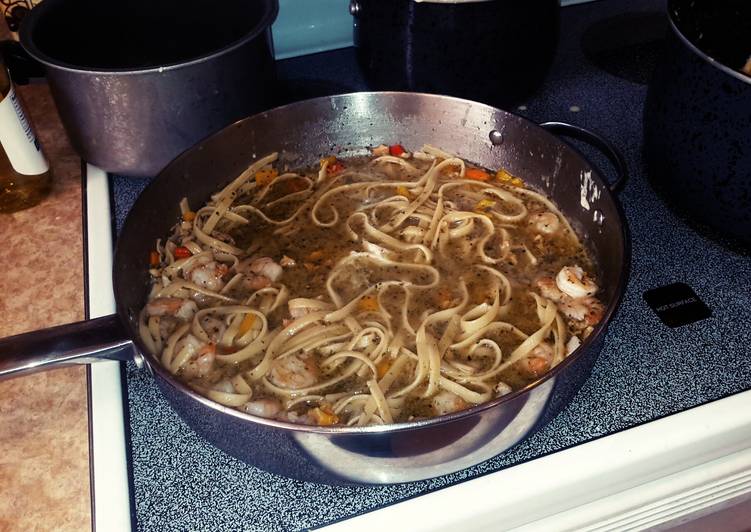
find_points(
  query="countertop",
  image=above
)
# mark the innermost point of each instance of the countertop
(44, 444)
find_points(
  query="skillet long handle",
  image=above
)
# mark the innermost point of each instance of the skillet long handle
(82, 342)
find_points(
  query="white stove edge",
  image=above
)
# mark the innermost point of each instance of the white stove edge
(109, 463)
(697, 460)
(700, 459)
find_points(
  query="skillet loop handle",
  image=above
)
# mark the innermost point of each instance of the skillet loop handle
(598, 141)
(77, 343)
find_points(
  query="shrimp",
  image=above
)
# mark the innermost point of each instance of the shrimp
(538, 362)
(573, 282)
(262, 407)
(585, 309)
(167, 325)
(259, 273)
(201, 366)
(171, 306)
(294, 372)
(256, 282)
(545, 223)
(189, 342)
(261, 266)
(202, 359)
(445, 402)
(549, 290)
(207, 273)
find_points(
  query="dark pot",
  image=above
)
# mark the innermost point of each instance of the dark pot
(493, 51)
(137, 83)
(698, 115)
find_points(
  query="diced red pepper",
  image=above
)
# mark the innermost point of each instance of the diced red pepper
(182, 253)
(334, 168)
(396, 150)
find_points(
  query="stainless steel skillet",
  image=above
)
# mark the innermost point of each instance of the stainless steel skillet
(347, 124)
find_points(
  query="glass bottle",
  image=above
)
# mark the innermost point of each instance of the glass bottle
(25, 177)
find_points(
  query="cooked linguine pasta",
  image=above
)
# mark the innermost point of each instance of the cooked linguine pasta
(368, 290)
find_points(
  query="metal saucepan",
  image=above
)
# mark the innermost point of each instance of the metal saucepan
(347, 124)
(139, 82)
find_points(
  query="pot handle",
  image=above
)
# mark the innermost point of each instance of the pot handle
(82, 342)
(598, 141)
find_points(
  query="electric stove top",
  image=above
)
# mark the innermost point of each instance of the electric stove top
(650, 377)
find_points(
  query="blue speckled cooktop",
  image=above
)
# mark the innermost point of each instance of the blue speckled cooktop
(645, 371)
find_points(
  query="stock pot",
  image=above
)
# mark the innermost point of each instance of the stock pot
(347, 125)
(697, 116)
(493, 51)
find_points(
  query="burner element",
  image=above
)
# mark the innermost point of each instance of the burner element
(626, 45)
(676, 304)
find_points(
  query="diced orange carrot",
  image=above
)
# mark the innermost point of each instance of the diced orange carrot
(264, 176)
(189, 216)
(323, 415)
(383, 366)
(247, 323)
(368, 304)
(476, 174)
(316, 255)
(154, 259)
(330, 159)
(182, 253)
(403, 191)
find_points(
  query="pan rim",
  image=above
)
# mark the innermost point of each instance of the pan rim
(599, 330)
(30, 23)
(711, 61)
